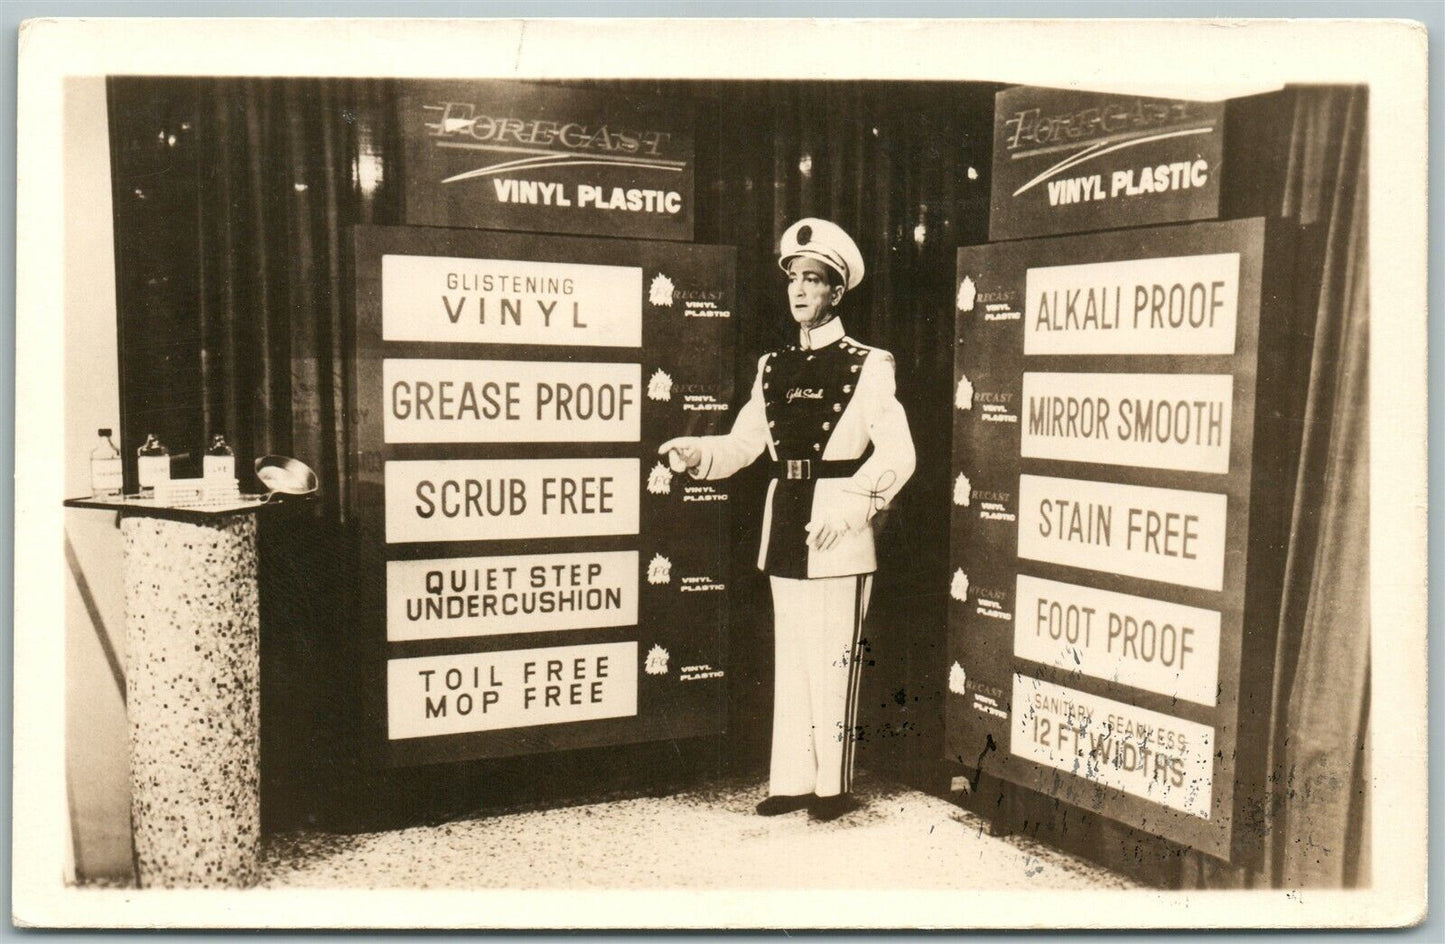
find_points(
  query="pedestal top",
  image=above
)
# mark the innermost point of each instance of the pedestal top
(139, 505)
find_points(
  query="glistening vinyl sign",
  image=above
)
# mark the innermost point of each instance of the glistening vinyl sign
(510, 301)
(518, 156)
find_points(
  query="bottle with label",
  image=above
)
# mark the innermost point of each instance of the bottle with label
(220, 461)
(153, 464)
(106, 477)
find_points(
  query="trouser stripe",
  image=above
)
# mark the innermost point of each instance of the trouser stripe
(851, 703)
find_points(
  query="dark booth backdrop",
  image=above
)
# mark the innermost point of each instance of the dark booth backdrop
(233, 203)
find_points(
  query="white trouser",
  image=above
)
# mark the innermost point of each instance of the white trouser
(817, 625)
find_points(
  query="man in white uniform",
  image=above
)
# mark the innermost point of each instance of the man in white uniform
(825, 411)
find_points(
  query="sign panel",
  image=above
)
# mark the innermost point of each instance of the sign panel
(1068, 161)
(505, 494)
(510, 301)
(521, 593)
(1166, 760)
(490, 500)
(450, 401)
(437, 695)
(1117, 485)
(516, 156)
(1157, 421)
(1147, 644)
(1168, 305)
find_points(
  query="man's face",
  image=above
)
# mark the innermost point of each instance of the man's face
(810, 297)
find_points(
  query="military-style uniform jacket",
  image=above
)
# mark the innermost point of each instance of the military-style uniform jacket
(825, 411)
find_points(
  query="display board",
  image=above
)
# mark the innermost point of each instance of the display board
(1116, 501)
(530, 577)
(1069, 161)
(546, 158)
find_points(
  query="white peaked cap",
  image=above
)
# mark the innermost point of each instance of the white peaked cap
(826, 242)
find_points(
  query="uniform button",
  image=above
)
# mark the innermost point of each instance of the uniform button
(772, 423)
(810, 357)
(827, 425)
(854, 368)
(837, 408)
(768, 369)
(817, 447)
(765, 386)
(847, 388)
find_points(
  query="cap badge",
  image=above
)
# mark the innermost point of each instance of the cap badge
(805, 235)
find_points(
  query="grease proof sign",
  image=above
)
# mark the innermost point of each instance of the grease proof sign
(438, 401)
(533, 578)
(1116, 487)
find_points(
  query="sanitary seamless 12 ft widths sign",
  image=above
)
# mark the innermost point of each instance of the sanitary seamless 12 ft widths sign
(546, 158)
(1118, 481)
(1069, 161)
(530, 576)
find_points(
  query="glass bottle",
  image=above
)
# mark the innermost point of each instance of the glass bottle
(219, 461)
(153, 464)
(106, 477)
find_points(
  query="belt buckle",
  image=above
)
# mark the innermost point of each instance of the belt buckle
(800, 468)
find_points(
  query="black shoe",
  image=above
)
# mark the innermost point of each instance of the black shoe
(778, 805)
(827, 809)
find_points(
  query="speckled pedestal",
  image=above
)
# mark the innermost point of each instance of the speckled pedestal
(193, 696)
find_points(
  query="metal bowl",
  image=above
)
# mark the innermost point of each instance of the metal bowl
(285, 476)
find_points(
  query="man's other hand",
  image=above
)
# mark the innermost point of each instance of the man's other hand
(844, 512)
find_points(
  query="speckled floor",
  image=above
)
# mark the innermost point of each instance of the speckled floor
(707, 838)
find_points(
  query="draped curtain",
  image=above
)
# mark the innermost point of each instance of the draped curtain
(238, 193)
(286, 167)
(1317, 815)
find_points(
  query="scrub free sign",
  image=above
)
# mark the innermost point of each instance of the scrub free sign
(490, 499)
(517, 688)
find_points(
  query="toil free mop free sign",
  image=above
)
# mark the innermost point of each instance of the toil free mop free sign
(511, 689)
